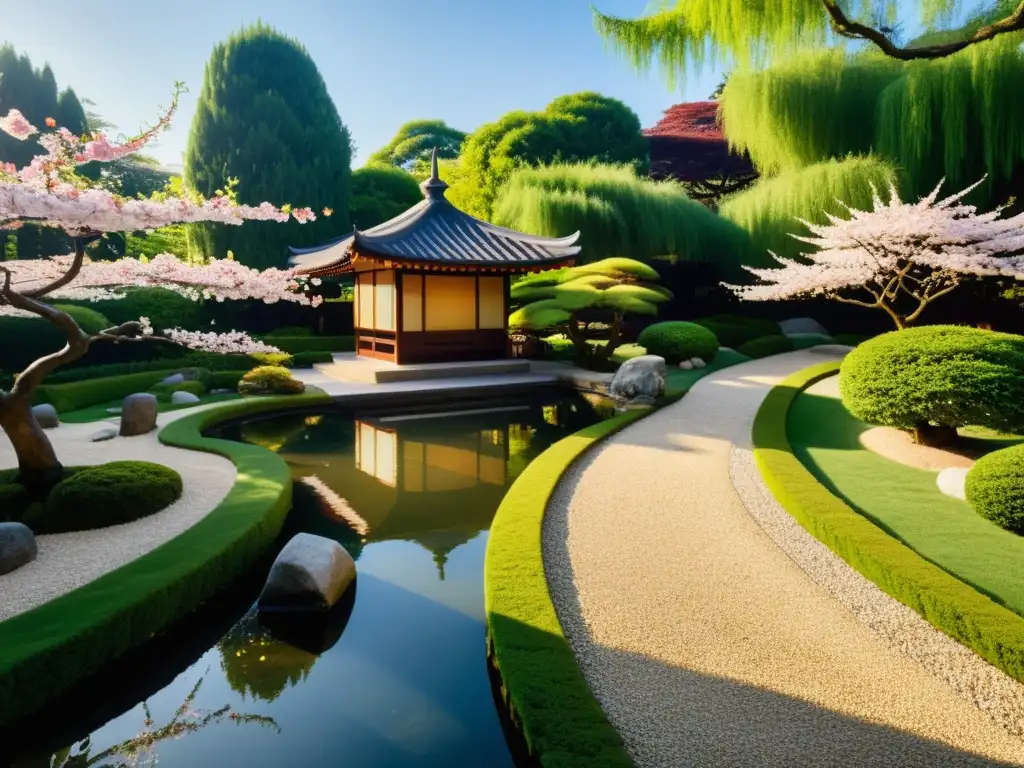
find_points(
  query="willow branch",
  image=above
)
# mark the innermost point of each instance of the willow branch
(849, 28)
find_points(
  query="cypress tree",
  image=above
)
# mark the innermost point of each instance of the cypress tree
(264, 117)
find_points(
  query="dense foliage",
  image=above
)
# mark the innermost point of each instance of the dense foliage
(734, 330)
(270, 380)
(581, 127)
(935, 379)
(28, 338)
(617, 212)
(677, 341)
(264, 116)
(380, 193)
(412, 146)
(570, 299)
(769, 210)
(995, 488)
(766, 346)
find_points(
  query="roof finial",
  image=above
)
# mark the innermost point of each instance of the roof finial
(433, 188)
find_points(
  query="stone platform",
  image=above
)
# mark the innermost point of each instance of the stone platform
(351, 368)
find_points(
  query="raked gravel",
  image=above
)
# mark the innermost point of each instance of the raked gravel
(707, 643)
(67, 561)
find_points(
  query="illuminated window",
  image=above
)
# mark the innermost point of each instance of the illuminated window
(384, 304)
(492, 302)
(451, 303)
(412, 302)
(365, 300)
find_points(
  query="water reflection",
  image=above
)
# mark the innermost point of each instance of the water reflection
(397, 675)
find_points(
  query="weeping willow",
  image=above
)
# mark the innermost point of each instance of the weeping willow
(958, 117)
(691, 32)
(618, 214)
(769, 210)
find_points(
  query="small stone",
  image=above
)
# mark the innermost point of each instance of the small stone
(310, 574)
(222, 391)
(698, 363)
(174, 378)
(951, 481)
(17, 546)
(686, 365)
(46, 415)
(138, 415)
(102, 435)
(184, 398)
(114, 411)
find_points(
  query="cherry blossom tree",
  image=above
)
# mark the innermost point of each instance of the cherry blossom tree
(49, 192)
(898, 257)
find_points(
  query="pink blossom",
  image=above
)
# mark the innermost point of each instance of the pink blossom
(15, 124)
(231, 343)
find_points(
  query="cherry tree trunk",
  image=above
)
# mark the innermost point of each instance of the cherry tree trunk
(37, 462)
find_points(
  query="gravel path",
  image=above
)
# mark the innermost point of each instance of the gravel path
(708, 645)
(67, 561)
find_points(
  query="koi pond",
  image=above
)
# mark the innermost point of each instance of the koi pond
(397, 675)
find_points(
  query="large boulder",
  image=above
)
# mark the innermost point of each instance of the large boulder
(138, 414)
(46, 415)
(642, 376)
(184, 398)
(310, 574)
(17, 546)
(802, 325)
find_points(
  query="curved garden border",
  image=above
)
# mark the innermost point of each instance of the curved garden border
(45, 650)
(993, 632)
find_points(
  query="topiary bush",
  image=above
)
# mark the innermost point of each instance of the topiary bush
(995, 488)
(105, 495)
(766, 346)
(677, 341)
(733, 330)
(270, 380)
(292, 331)
(934, 379)
(309, 359)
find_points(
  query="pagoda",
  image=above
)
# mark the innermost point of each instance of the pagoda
(432, 284)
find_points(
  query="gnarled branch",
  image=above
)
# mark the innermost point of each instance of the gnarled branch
(849, 28)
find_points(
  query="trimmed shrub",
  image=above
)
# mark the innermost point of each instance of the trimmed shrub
(225, 379)
(105, 495)
(766, 346)
(26, 339)
(83, 394)
(14, 500)
(733, 330)
(309, 359)
(677, 341)
(995, 488)
(270, 380)
(807, 340)
(293, 344)
(164, 308)
(937, 378)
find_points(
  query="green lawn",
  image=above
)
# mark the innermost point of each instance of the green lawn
(99, 412)
(905, 502)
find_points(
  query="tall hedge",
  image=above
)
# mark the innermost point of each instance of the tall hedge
(264, 117)
(380, 193)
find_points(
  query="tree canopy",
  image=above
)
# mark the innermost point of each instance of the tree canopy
(617, 213)
(380, 193)
(682, 32)
(579, 127)
(265, 118)
(412, 146)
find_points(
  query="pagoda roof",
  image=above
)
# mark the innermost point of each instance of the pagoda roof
(435, 232)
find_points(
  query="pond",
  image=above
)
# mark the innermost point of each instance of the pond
(398, 675)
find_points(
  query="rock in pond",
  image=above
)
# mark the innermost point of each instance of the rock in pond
(802, 325)
(951, 481)
(641, 376)
(46, 415)
(138, 416)
(184, 398)
(17, 546)
(101, 435)
(174, 378)
(310, 574)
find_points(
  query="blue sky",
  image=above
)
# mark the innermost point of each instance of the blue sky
(385, 61)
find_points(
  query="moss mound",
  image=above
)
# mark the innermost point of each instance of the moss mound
(766, 346)
(995, 488)
(937, 376)
(677, 341)
(104, 495)
(270, 380)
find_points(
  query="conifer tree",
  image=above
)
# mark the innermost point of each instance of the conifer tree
(265, 118)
